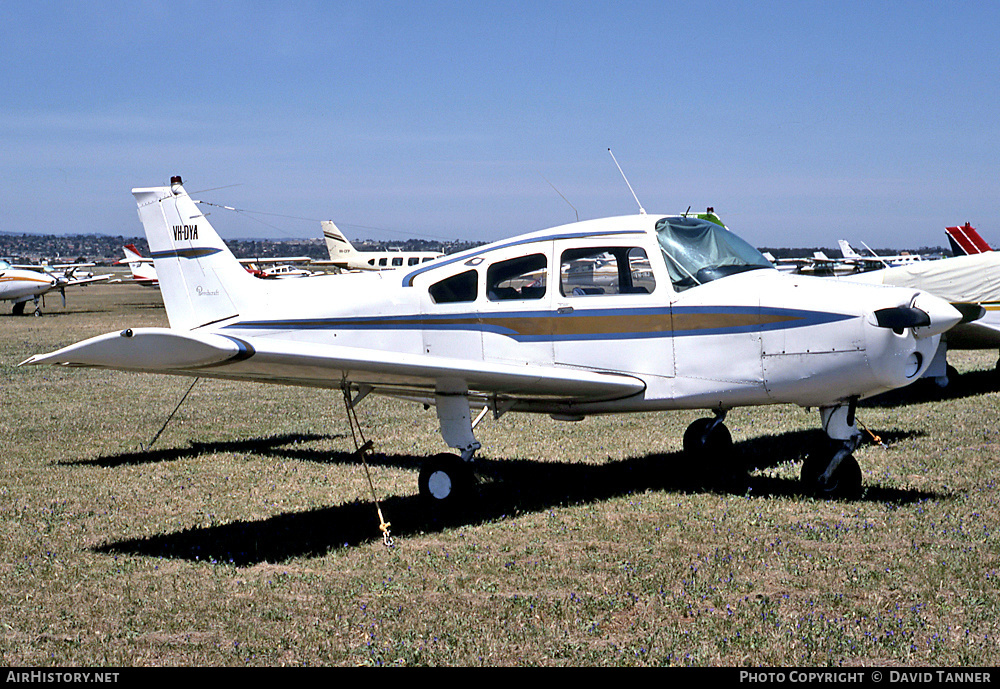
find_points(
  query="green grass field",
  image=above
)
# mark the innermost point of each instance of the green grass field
(247, 536)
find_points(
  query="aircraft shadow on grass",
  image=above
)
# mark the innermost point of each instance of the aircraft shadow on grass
(507, 487)
(970, 384)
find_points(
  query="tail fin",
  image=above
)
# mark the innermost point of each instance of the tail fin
(142, 269)
(847, 250)
(340, 249)
(132, 254)
(200, 279)
(965, 241)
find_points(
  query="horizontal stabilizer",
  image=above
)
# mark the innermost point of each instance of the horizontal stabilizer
(146, 349)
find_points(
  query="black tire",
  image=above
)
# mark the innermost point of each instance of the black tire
(845, 484)
(710, 458)
(445, 481)
(699, 443)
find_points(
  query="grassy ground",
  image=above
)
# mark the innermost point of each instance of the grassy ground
(246, 535)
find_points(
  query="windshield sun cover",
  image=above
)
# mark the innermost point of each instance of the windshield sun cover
(697, 251)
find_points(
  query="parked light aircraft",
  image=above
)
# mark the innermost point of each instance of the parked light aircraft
(343, 255)
(874, 262)
(144, 272)
(497, 328)
(25, 283)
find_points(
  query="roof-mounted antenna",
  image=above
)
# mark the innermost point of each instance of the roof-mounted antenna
(642, 211)
(563, 197)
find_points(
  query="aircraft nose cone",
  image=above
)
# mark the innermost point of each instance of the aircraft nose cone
(943, 316)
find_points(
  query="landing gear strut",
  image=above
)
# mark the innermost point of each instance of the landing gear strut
(831, 471)
(448, 480)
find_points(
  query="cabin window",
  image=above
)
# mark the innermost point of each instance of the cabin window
(397, 261)
(605, 270)
(412, 261)
(371, 261)
(518, 278)
(457, 288)
(428, 258)
(382, 261)
(697, 251)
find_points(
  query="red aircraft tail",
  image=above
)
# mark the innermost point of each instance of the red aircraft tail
(966, 241)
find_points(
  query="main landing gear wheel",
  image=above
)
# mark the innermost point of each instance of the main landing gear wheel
(446, 480)
(708, 447)
(843, 484)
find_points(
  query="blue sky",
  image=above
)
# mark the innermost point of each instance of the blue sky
(800, 122)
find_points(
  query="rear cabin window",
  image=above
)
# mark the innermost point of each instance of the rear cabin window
(605, 270)
(457, 288)
(518, 278)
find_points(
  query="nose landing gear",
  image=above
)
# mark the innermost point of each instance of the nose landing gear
(831, 471)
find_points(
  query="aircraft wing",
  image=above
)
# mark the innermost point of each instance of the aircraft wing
(73, 282)
(276, 259)
(267, 359)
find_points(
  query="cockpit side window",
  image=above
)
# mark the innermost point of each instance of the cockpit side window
(457, 288)
(523, 277)
(605, 270)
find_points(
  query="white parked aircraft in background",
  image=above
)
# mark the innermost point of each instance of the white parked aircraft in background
(343, 255)
(874, 262)
(23, 283)
(697, 319)
(143, 272)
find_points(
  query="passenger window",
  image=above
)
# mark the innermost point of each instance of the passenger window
(518, 278)
(397, 261)
(412, 261)
(428, 258)
(457, 288)
(605, 270)
(382, 262)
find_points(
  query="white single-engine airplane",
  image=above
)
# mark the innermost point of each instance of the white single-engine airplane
(708, 325)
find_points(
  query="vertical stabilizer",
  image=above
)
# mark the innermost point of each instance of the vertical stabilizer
(142, 269)
(341, 250)
(847, 250)
(965, 241)
(200, 279)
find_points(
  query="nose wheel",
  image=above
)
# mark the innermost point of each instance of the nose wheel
(831, 471)
(832, 475)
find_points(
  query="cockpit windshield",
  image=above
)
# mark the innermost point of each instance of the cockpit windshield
(697, 251)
